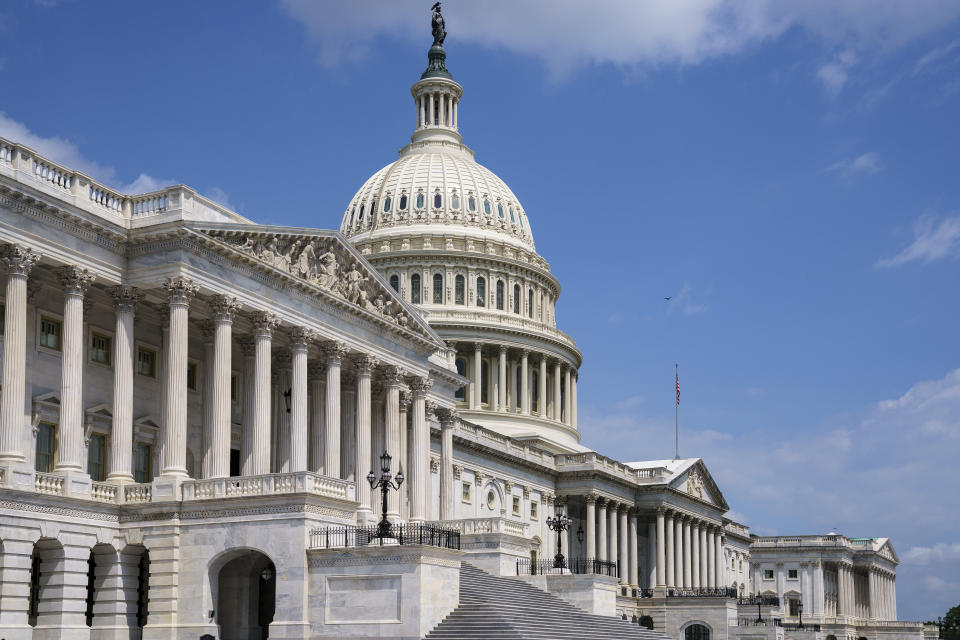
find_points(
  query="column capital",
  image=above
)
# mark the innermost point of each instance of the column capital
(508, 486)
(503, 349)
(406, 398)
(335, 351)
(302, 337)
(420, 385)
(125, 298)
(526, 492)
(18, 259)
(74, 280)
(264, 323)
(602, 502)
(457, 471)
(434, 464)
(431, 407)
(524, 353)
(446, 416)
(392, 376)
(661, 510)
(365, 363)
(248, 346)
(224, 308)
(591, 498)
(180, 290)
(478, 346)
(623, 507)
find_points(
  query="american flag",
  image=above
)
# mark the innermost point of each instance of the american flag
(678, 389)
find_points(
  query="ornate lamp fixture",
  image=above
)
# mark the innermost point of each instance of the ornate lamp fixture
(385, 483)
(559, 523)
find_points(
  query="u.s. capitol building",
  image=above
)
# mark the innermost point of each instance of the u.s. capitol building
(191, 404)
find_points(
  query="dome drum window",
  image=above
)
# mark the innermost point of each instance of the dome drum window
(437, 288)
(472, 203)
(455, 201)
(500, 295)
(486, 206)
(481, 291)
(437, 200)
(512, 219)
(516, 298)
(386, 203)
(459, 287)
(395, 282)
(500, 210)
(403, 202)
(420, 200)
(415, 290)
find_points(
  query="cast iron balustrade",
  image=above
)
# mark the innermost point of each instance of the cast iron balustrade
(764, 600)
(573, 565)
(350, 536)
(795, 626)
(703, 592)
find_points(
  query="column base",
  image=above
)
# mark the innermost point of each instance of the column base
(58, 632)
(660, 592)
(167, 488)
(76, 483)
(16, 632)
(20, 476)
(123, 632)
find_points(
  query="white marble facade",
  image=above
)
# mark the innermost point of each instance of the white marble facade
(187, 394)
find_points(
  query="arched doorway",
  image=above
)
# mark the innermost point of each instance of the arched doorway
(646, 621)
(696, 631)
(246, 596)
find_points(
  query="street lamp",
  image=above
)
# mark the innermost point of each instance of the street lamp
(759, 614)
(559, 523)
(800, 611)
(385, 483)
(287, 395)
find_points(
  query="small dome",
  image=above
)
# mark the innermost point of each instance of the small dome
(439, 185)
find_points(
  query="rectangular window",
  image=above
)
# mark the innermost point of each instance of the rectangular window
(768, 574)
(101, 348)
(46, 446)
(142, 463)
(147, 362)
(51, 331)
(516, 506)
(792, 574)
(192, 371)
(533, 510)
(96, 457)
(794, 607)
(467, 487)
(233, 387)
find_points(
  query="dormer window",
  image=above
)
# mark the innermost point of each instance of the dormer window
(512, 219)
(403, 202)
(500, 210)
(362, 207)
(472, 203)
(454, 201)
(386, 203)
(486, 206)
(420, 200)
(437, 200)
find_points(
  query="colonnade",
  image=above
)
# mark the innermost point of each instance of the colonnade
(868, 592)
(556, 388)
(437, 109)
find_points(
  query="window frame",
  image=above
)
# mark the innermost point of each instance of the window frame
(437, 292)
(149, 461)
(500, 296)
(516, 505)
(104, 454)
(54, 438)
(157, 365)
(466, 492)
(416, 288)
(516, 299)
(793, 574)
(534, 510)
(459, 289)
(768, 574)
(42, 315)
(481, 291)
(394, 277)
(103, 333)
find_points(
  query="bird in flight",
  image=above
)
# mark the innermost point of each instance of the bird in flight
(668, 298)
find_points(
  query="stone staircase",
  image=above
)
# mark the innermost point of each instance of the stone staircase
(506, 609)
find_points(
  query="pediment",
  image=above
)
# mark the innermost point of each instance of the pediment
(324, 261)
(886, 551)
(698, 483)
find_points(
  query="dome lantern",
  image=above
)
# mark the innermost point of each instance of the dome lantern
(436, 95)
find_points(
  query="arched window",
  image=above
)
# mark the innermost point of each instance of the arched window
(403, 202)
(362, 207)
(512, 219)
(472, 203)
(516, 298)
(353, 212)
(500, 295)
(500, 210)
(386, 203)
(420, 200)
(459, 296)
(484, 366)
(415, 290)
(461, 393)
(486, 206)
(395, 282)
(437, 200)
(696, 632)
(437, 288)
(481, 291)
(519, 219)
(455, 201)
(530, 303)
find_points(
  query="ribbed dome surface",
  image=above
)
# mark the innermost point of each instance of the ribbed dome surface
(432, 173)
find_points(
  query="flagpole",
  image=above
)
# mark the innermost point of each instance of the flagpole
(676, 423)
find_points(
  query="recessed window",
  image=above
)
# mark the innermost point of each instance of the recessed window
(395, 282)
(500, 295)
(233, 387)
(481, 291)
(500, 210)
(794, 607)
(362, 207)
(486, 206)
(353, 212)
(491, 499)
(437, 200)
(373, 207)
(516, 298)
(455, 201)
(768, 574)
(792, 574)
(51, 333)
(472, 203)
(530, 303)
(96, 457)
(533, 510)
(386, 203)
(516, 505)
(420, 200)
(437, 288)
(147, 362)
(101, 348)
(193, 373)
(403, 202)
(512, 219)
(458, 291)
(46, 447)
(467, 489)
(461, 393)
(142, 462)
(415, 291)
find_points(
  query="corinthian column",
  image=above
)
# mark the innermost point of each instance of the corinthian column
(602, 529)
(365, 364)
(393, 382)
(18, 261)
(567, 417)
(331, 449)
(419, 472)
(633, 549)
(180, 292)
(695, 554)
(711, 558)
(208, 331)
(591, 518)
(75, 281)
(224, 310)
(671, 548)
(125, 300)
(300, 339)
(263, 325)
(542, 388)
(687, 574)
(476, 393)
(502, 379)
(248, 348)
(448, 418)
(525, 382)
(557, 409)
(661, 548)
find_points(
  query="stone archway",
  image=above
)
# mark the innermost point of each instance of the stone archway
(246, 595)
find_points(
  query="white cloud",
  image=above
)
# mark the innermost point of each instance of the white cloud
(219, 196)
(684, 303)
(568, 34)
(64, 152)
(865, 164)
(932, 240)
(936, 55)
(937, 584)
(940, 552)
(834, 74)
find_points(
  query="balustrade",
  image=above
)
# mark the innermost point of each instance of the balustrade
(49, 484)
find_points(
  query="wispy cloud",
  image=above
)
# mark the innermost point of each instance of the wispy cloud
(931, 59)
(864, 164)
(940, 552)
(834, 74)
(933, 240)
(684, 303)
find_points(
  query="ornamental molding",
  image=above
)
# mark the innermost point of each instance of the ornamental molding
(86, 227)
(48, 509)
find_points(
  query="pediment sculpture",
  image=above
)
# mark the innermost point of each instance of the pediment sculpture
(322, 262)
(694, 484)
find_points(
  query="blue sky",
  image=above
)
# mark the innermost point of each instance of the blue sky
(787, 172)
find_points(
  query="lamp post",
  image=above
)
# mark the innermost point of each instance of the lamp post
(759, 613)
(385, 483)
(800, 611)
(287, 395)
(559, 523)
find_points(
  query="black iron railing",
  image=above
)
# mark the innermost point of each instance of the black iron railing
(703, 592)
(346, 537)
(645, 593)
(795, 626)
(766, 601)
(571, 565)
